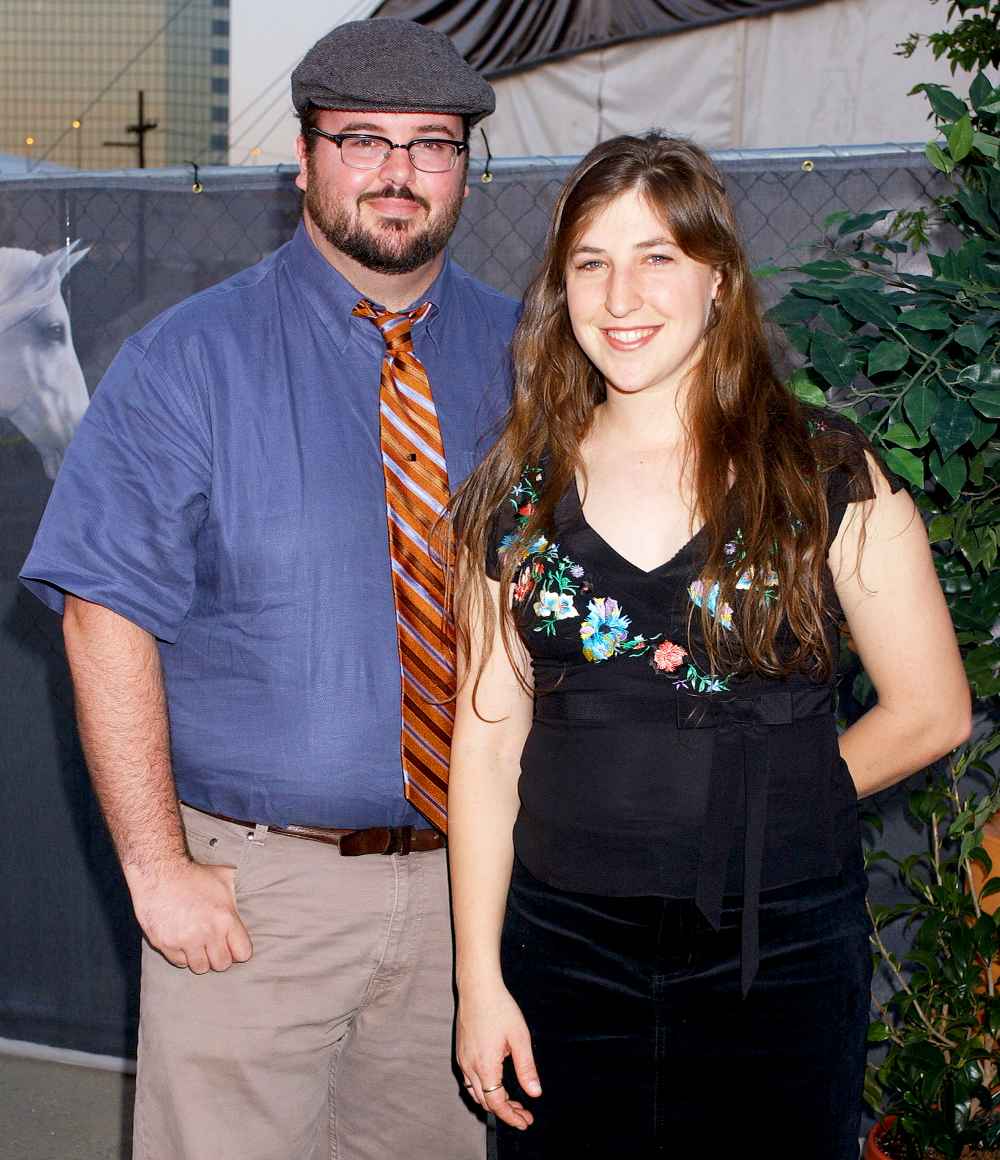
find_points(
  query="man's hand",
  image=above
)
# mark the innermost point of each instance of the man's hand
(188, 913)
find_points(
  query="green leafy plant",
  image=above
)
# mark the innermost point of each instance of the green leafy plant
(914, 357)
(942, 1021)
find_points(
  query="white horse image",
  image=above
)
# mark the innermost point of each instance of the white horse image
(42, 389)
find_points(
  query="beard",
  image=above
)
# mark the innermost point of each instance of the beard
(393, 246)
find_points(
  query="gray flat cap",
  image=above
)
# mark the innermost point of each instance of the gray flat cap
(385, 66)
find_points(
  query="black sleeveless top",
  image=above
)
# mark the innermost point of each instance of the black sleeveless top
(644, 773)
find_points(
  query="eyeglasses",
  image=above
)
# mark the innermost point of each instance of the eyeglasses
(363, 151)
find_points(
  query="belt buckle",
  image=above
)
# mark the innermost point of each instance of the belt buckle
(394, 840)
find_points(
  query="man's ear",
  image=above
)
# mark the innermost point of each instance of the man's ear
(301, 152)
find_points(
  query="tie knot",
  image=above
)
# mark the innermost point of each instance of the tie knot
(396, 328)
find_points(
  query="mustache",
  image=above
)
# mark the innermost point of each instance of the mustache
(403, 192)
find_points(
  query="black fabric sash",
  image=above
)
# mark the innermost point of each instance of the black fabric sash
(738, 767)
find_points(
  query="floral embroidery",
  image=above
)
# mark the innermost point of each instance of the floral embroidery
(605, 630)
(700, 682)
(558, 605)
(555, 581)
(723, 613)
(702, 594)
(667, 657)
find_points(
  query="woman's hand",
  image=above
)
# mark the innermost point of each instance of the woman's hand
(491, 1027)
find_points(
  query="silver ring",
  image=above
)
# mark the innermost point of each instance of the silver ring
(496, 1087)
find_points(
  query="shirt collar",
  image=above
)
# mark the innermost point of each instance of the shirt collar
(334, 298)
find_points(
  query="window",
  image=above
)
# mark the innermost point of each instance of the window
(220, 113)
(220, 27)
(220, 56)
(218, 143)
(220, 85)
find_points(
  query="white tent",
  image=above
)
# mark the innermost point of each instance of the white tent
(730, 73)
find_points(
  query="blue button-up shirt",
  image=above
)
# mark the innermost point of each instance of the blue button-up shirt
(225, 493)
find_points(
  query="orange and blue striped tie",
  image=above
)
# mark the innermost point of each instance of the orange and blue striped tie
(416, 492)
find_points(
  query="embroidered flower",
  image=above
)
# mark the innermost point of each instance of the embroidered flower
(667, 657)
(710, 598)
(730, 548)
(556, 604)
(576, 570)
(605, 629)
(524, 585)
(538, 546)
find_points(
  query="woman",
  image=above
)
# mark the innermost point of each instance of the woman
(670, 955)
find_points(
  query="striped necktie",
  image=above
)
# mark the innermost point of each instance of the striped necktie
(416, 492)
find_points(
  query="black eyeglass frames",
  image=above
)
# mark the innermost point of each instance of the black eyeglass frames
(366, 151)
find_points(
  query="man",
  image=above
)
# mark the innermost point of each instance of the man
(238, 539)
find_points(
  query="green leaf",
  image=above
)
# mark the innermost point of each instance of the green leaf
(868, 307)
(903, 435)
(791, 310)
(986, 144)
(943, 101)
(836, 320)
(907, 465)
(827, 269)
(799, 337)
(877, 1032)
(973, 336)
(833, 359)
(952, 426)
(950, 473)
(982, 432)
(981, 665)
(940, 528)
(838, 215)
(981, 91)
(887, 356)
(921, 405)
(981, 375)
(987, 403)
(821, 290)
(959, 137)
(805, 389)
(992, 102)
(925, 318)
(938, 158)
(762, 273)
(862, 221)
(977, 469)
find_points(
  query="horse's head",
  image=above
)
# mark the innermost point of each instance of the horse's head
(42, 389)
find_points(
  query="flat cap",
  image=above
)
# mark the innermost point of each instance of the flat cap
(387, 65)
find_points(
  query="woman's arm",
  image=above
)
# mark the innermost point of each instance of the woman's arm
(491, 724)
(899, 622)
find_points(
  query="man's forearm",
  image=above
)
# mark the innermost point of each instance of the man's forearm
(122, 716)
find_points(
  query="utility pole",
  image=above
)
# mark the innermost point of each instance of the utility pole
(140, 129)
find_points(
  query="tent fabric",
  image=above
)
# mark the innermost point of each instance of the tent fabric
(822, 74)
(501, 37)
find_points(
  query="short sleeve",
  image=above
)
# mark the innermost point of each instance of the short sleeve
(841, 446)
(121, 524)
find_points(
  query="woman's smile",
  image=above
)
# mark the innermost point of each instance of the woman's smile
(631, 339)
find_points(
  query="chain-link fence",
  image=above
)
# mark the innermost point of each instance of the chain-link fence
(151, 240)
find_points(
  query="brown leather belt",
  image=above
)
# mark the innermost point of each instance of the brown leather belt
(352, 843)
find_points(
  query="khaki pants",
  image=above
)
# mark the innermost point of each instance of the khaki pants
(334, 1042)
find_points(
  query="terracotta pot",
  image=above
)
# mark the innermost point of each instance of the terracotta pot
(873, 1148)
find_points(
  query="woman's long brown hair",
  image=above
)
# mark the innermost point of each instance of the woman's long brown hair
(745, 430)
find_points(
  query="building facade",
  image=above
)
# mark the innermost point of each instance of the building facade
(71, 72)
